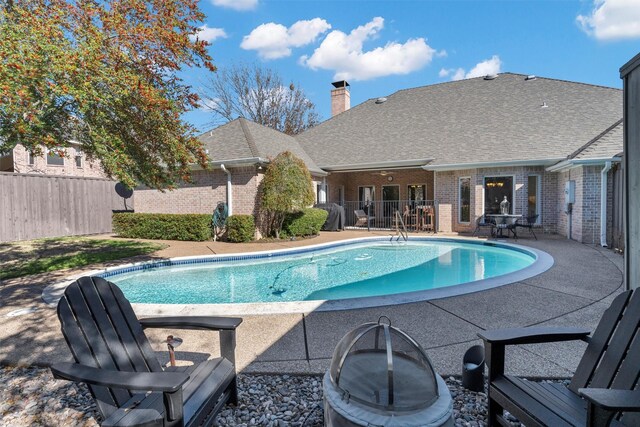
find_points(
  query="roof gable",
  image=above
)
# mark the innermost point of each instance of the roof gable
(244, 139)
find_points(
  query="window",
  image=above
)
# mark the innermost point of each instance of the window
(533, 196)
(78, 159)
(417, 195)
(464, 200)
(54, 158)
(321, 193)
(495, 190)
(31, 158)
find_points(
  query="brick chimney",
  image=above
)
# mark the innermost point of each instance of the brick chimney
(340, 97)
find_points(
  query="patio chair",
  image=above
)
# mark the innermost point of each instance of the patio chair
(361, 218)
(604, 386)
(529, 223)
(483, 222)
(114, 358)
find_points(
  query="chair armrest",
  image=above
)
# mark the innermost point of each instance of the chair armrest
(533, 335)
(155, 381)
(612, 399)
(225, 325)
(192, 322)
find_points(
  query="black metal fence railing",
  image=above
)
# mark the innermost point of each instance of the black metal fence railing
(379, 214)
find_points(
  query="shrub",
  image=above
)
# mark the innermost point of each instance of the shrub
(240, 228)
(190, 227)
(306, 222)
(286, 187)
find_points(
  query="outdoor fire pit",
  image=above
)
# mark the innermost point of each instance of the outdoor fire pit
(380, 376)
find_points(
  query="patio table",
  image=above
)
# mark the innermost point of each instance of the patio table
(504, 221)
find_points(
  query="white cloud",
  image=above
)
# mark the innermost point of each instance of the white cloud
(236, 4)
(209, 34)
(612, 19)
(344, 54)
(274, 41)
(489, 66)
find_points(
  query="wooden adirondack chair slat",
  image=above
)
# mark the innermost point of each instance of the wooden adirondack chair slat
(94, 339)
(129, 329)
(618, 345)
(82, 353)
(629, 373)
(565, 408)
(122, 359)
(598, 343)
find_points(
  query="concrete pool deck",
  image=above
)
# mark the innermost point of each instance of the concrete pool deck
(574, 292)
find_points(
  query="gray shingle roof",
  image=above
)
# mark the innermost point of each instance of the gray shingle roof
(604, 146)
(244, 139)
(468, 121)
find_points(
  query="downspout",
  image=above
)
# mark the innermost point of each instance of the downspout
(229, 192)
(324, 190)
(603, 204)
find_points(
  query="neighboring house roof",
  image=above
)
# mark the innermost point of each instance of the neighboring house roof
(473, 121)
(242, 139)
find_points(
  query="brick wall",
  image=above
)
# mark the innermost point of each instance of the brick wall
(89, 168)
(585, 217)
(202, 196)
(447, 195)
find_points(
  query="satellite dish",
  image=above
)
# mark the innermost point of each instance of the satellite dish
(124, 192)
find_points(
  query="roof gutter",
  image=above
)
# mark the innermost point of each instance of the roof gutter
(247, 161)
(570, 163)
(394, 164)
(480, 165)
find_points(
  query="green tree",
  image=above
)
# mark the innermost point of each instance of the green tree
(104, 74)
(286, 187)
(259, 95)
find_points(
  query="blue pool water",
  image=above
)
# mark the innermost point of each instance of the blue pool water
(349, 271)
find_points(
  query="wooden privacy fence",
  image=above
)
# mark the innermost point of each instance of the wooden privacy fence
(35, 206)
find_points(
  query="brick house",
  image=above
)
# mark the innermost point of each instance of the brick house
(238, 152)
(461, 146)
(73, 163)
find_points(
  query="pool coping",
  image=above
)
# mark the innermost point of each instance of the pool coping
(543, 261)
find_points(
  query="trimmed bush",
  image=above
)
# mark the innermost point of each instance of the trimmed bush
(241, 228)
(306, 222)
(189, 227)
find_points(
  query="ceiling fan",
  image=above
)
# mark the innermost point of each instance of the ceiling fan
(382, 173)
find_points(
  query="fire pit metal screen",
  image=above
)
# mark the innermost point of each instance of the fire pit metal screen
(379, 375)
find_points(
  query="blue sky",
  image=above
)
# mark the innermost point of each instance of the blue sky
(383, 46)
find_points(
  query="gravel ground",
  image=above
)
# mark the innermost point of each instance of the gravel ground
(31, 397)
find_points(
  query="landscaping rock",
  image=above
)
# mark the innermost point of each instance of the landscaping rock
(31, 397)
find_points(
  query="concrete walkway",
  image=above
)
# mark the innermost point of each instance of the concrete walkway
(574, 292)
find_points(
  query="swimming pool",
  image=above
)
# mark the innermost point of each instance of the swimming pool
(349, 270)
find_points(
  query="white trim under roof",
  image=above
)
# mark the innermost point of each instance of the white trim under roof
(393, 164)
(571, 163)
(481, 165)
(249, 161)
